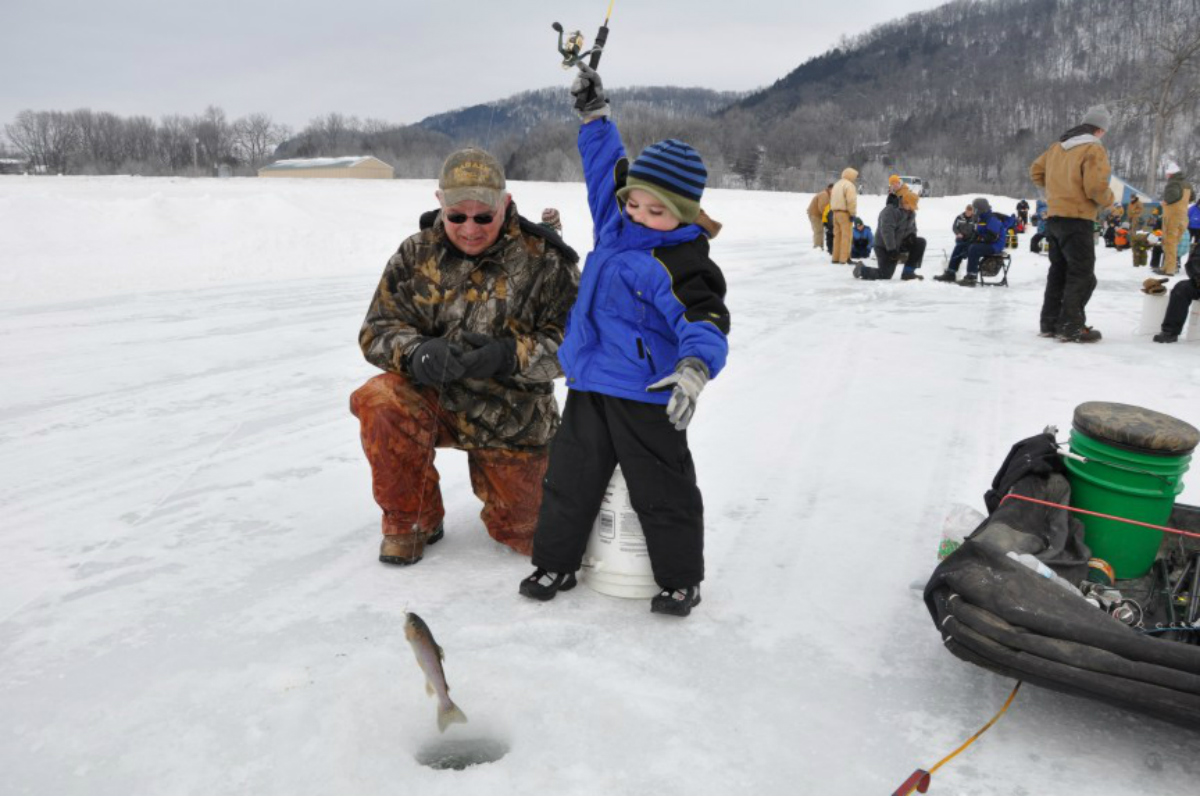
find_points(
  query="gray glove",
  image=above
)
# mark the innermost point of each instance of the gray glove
(588, 90)
(685, 384)
(435, 362)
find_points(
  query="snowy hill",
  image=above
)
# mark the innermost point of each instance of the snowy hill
(190, 601)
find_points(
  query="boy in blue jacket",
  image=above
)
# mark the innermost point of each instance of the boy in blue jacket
(645, 335)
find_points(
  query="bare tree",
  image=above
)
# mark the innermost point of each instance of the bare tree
(1172, 86)
(215, 137)
(47, 138)
(255, 138)
(176, 135)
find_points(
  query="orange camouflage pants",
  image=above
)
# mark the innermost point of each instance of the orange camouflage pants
(402, 425)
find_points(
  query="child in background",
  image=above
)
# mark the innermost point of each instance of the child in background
(646, 334)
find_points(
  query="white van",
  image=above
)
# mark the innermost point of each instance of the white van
(915, 184)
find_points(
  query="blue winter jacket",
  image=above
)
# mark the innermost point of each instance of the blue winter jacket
(647, 299)
(1194, 217)
(990, 229)
(863, 239)
(1042, 210)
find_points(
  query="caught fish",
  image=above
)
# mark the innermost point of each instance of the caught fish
(429, 658)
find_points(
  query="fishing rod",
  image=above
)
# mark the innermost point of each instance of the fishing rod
(571, 49)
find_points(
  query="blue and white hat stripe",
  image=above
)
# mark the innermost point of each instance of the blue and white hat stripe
(672, 165)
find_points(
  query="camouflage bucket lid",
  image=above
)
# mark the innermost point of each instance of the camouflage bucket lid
(1136, 429)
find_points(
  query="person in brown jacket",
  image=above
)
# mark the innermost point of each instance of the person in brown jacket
(1177, 195)
(843, 201)
(816, 215)
(1134, 214)
(1075, 174)
(466, 324)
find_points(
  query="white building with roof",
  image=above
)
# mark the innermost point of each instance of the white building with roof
(362, 167)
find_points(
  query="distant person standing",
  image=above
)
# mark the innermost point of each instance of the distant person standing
(1133, 213)
(1075, 173)
(843, 201)
(1023, 212)
(1177, 195)
(816, 215)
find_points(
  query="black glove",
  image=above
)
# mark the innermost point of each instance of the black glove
(588, 90)
(491, 357)
(435, 362)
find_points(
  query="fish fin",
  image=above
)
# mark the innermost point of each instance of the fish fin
(441, 653)
(450, 715)
(429, 688)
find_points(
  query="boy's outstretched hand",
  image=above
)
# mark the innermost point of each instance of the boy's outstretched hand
(685, 384)
(588, 90)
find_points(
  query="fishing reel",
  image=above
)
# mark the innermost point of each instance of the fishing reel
(571, 50)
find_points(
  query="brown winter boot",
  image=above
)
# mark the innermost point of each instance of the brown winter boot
(407, 548)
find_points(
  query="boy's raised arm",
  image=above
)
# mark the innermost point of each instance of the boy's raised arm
(600, 147)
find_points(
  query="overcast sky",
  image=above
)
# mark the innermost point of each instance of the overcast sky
(396, 60)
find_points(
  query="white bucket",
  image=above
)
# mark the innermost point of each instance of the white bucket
(1193, 326)
(1154, 308)
(616, 562)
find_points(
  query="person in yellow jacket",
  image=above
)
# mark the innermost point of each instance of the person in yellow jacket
(1075, 173)
(816, 215)
(843, 201)
(1177, 195)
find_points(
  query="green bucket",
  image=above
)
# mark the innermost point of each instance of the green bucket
(1136, 459)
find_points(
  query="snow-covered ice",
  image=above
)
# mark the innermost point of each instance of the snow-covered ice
(190, 600)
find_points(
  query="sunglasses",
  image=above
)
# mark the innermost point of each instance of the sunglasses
(482, 219)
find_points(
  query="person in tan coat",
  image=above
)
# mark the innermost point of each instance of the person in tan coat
(1075, 174)
(1177, 195)
(816, 215)
(843, 201)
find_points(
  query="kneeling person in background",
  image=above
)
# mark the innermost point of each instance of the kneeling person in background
(897, 235)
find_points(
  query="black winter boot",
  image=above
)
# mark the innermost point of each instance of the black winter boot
(1085, 335)
(676, 602)
(1166, 337)
(543, 585)
(970, 280)
(946, 276)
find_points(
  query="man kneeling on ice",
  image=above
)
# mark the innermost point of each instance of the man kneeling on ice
(466, 322)
(648, 332)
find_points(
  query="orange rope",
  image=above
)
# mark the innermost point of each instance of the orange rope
(920, 779)
(1098, 514)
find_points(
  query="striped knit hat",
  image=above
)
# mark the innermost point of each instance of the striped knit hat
(672, 172)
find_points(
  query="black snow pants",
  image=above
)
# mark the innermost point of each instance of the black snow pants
(1072, 275)
(887, 264)
(1182, 296)
(598, 432)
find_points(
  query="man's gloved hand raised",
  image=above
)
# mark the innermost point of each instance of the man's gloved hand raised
(490, 357)
(588, 90)
(685, 384)
(436, 362)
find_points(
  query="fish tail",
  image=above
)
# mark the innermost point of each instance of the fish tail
(450, 714)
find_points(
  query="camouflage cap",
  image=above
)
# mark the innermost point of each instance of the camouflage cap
(472, 174)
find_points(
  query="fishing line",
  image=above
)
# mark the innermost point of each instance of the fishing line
(919, 781)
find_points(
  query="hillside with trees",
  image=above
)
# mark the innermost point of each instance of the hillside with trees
(965, 95)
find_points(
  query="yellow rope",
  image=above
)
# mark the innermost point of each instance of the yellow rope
(984, 729)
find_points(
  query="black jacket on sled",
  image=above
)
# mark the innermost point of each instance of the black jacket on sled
(997, 613)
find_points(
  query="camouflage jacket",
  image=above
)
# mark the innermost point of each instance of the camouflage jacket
(522, 287)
